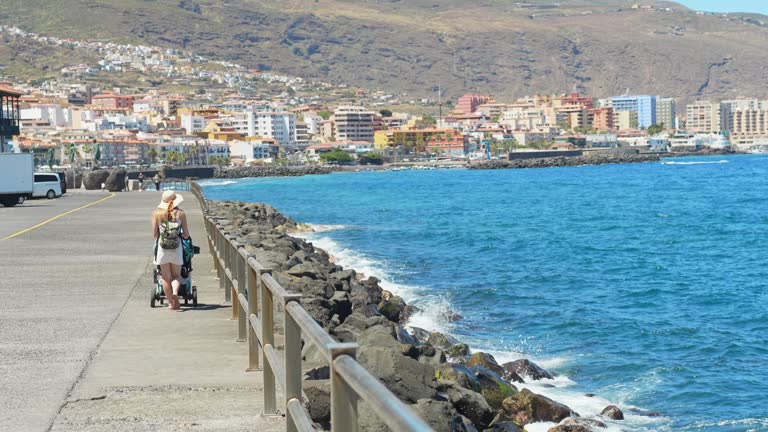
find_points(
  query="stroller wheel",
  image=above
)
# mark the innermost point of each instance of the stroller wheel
(194, 296)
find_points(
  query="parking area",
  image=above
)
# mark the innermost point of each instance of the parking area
(35, 211)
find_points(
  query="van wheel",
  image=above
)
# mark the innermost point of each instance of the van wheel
(51, 194)
(21, 199)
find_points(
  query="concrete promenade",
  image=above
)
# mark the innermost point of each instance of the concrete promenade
(80, 348)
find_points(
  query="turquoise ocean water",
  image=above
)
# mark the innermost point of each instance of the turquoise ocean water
(642, 284)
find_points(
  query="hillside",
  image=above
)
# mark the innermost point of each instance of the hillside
(495, 46)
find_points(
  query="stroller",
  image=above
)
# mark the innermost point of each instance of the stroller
(187, 291)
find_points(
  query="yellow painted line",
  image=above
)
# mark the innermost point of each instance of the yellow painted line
(112, 194)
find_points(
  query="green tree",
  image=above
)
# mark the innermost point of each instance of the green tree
(325, 114)
(72, 154)
(152, 155)
(219, 160)
(50, 158)
(385, 113)
(655, 129)
(371, 159)
(337, 156)
(174, 157)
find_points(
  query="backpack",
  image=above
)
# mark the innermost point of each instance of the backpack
(170, 234)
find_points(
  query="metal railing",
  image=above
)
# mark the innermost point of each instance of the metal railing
(253, 291)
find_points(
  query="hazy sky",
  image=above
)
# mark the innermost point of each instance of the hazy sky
(760, 6)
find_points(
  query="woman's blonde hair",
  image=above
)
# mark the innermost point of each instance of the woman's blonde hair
(162, 215)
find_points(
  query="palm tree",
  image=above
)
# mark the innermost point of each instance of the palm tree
(72, 154)
(152, 155)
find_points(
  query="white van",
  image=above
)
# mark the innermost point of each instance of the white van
(46, 185)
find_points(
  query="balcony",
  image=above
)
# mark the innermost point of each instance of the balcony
(9, 128)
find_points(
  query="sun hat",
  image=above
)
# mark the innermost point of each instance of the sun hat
(170, 198)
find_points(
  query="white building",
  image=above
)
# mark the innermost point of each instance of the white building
(268, 124)
(192, 123)
(249, 151)
(55, 115)
(353, 123)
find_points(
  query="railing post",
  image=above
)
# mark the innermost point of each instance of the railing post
(242, 318)
(268, 338)
(292, 358)
(254, 282)
(211, 236)
(222, 263)
(225, 248)
(343, 398)
(232, 265)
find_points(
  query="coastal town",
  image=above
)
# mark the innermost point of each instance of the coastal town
(224, 121)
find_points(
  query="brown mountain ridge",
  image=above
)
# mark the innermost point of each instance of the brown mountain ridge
(508, 48)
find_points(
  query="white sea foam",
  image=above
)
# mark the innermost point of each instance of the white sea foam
(722, 161)
(325, 228)
(434, 310)
(217, 182)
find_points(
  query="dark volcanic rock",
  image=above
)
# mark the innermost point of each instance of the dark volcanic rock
(577, 424)
(441, 415)
(458, 350)
(459, 374)
(92, 180)
(485, 360)
(440, 340)
(528, 407)
(467, 402)
(505, 426)
(524, 368)
(612, 412)
(566, 161)
(492, 386)
(406, 377)
(318, 404)
(271, 171)
(116, 180)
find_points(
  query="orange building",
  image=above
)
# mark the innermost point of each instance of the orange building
(602, 119)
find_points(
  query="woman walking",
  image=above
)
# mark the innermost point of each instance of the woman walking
(169, 225)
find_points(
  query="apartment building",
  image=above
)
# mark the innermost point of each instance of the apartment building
(268, 124)
(469, 103)
(666, 112)
(643, 105)
(353, 123)
(113, 100)
(602, 119)
(749, 123)
(706, 117)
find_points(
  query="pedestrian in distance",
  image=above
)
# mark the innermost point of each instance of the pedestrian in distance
(141, 181)
(169, 226)
(157, 179)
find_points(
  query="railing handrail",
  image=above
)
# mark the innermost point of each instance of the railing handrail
(253, 290)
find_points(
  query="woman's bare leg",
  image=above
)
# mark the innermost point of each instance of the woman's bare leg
(166, 276)
(176, 284)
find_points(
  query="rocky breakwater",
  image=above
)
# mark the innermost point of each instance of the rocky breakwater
(432, 372)
(566, 161)
(271, 171)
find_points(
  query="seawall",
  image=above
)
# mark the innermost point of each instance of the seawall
(565, 161)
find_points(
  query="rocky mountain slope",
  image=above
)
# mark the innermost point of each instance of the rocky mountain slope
(496, 46)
